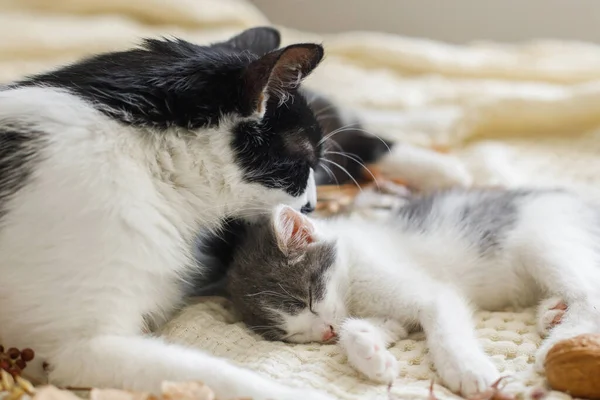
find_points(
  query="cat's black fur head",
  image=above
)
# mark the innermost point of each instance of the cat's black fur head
(245, 84)
(172, 82)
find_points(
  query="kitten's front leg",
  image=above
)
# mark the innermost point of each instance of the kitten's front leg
(365, 342)
(456, 353)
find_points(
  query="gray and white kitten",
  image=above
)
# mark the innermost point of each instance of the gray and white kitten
(367, 283)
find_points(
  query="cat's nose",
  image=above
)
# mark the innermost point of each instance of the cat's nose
(328, 334)
(307, 208)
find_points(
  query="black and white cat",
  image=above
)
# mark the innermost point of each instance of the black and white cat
(108, 170)
(370, 282)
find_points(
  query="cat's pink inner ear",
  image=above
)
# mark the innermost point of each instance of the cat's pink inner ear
(277, 73)
(294, 230)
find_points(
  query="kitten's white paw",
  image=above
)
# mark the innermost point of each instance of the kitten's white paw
(367, 352)
(549, 314)
(473, 375)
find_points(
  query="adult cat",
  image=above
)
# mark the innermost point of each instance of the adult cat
(108, 169)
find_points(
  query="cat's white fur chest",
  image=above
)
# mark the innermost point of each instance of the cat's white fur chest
(128, 205)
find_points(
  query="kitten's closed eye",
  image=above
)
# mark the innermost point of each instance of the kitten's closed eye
(295, 306)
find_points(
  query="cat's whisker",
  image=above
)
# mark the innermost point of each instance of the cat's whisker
(330, 174)
(335, 144)
(346, 172)
(356, 159)
(267, 292)
(336, 131)
(260, 328)
(290, 295)
(356, 128)
(387, 146)
(319, 112)
(325, 117)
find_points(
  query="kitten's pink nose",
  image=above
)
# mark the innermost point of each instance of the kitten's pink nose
(328, 334)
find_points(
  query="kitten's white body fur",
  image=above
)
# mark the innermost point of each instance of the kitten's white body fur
(100, 238)
(386, 279)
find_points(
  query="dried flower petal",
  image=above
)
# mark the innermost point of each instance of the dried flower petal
(186, 391)
(53, 393)
(15, 394)
(115, 394)
(8, 382)
(25, 385)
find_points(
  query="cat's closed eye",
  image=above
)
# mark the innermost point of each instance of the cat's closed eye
(296, 306)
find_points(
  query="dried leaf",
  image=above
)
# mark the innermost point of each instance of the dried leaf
(53, 393)
(15, 394)
(186, 391)
(494, 392)
(8, 382)
(115, 394)
(431, 394)
(25, 385)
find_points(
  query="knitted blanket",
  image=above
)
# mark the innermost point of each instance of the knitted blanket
(525, 114)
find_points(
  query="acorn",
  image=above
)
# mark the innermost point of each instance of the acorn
(573, 366)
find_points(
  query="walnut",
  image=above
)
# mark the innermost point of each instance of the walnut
(573, 366)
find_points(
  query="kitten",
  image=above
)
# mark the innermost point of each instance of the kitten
(368, 283)
(108, 169)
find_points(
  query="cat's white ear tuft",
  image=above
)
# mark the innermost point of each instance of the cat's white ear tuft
(293, 230)
(277, 74)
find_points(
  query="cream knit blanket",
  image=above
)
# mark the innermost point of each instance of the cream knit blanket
(516, 115)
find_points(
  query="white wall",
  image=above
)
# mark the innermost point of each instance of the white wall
(448, 20)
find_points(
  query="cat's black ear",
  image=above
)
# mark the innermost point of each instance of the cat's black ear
(259, 41)
(293, 230)
(277, 74)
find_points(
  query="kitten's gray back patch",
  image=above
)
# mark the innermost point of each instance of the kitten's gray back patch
(417, 213)
(19, 149)
(483, 216)
(488, 216)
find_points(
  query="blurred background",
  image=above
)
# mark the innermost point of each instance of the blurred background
(456, 21)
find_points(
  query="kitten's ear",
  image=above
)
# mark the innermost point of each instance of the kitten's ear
(259, 41)
(293, 230)
(276, 74)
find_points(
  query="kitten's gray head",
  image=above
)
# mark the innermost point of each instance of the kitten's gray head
(283, 280)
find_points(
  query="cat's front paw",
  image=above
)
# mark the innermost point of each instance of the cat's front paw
(473, 375)
(549, 314)
(367, 352)
(454, 174)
